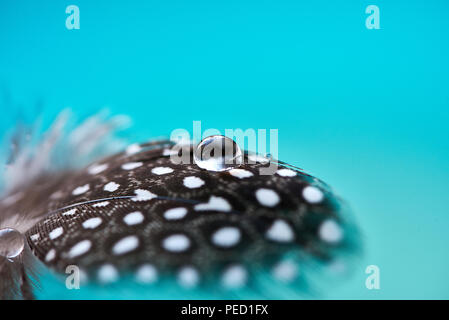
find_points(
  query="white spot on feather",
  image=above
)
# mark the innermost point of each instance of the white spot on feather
(80, 190)
(146, 273)
(56, 233)
(56, 195)
(312, 194)
(125, 245)
(285, 271)
(234, 277)
(193, 182)
(50, 255)
(254, 158)
(80, 248)
(161, 170)
(100, 204)
(111, 186)
(131, 165)
(107, 274)
(92, 223)
(240, 173)
(70, 212)
(226, 237)
(143, 195)
(97, 168)
(330, 231)
(214, 204)
(176, 243)
(188, 277)
(133, 218)
(175, 213)
(286, 172)
(267, 197)
(280, 231)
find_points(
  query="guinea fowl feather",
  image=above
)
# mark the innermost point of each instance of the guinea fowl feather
(140, 215)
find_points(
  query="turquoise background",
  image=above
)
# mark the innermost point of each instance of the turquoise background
(365, 110)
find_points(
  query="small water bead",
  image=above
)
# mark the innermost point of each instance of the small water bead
(218, 153)
(12, 243)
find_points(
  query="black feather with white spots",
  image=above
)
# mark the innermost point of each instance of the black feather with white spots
(139, 212)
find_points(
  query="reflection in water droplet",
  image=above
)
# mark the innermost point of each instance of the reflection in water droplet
(12, 243)
(218, 153)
